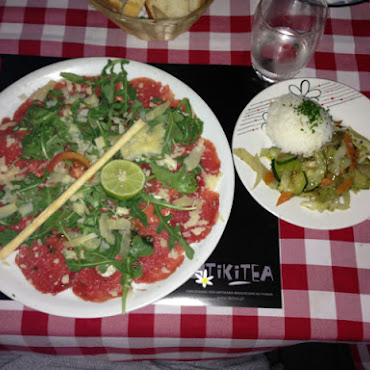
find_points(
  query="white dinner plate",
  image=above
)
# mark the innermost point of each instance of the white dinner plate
(12, 281)
(345, 104)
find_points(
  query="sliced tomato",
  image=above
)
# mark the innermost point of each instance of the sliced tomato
(80, 163)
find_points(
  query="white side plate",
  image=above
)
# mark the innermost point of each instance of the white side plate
(345, 104)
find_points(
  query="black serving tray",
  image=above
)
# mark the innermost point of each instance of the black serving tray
(245, 265)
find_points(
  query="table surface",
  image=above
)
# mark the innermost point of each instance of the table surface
(325, 274)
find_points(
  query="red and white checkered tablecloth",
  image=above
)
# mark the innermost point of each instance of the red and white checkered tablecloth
(325, 274)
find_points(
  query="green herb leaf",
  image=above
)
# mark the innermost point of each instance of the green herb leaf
(174, 233)
(182, 180)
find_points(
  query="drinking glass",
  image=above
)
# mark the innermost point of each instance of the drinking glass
(285, 34)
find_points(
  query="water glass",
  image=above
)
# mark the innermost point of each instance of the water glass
(285, 34)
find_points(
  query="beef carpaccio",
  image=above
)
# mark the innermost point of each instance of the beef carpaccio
(97, 245)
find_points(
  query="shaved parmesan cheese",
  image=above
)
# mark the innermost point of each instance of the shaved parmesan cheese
(122, 211)
(80, 208)
(120, 224)
(4, 126)
(168, 162)
(105, 231)
(193, 159)
(3, 166)
(70, 254)
(173, 254)
(12, 174)
(100, 144)
(184, 201)
(110, 271)
(25, 209)
(164, 194)
(211, 180)
(10, 141)
(60, 174)
(7, 210)
(147, 142)
(113, 293)
(163, 243)
(92, 100)
(65, 279)
(40, 94)
(195, 214)
(80, 241)
(197, 230)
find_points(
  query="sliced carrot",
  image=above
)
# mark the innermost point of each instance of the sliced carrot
(345, 185)
(284, 196)
(353, 166)
(326, 181)
(269, 177)
(350, 147)
(351, 151)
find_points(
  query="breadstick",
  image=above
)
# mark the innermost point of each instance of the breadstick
(53, 207)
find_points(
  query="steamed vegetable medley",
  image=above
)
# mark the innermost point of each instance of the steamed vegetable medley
(325, 178)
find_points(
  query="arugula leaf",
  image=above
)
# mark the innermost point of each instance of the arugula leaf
(29, 191)
(52, 223)
(47, 133)
(173, 133)
(54, 100)
(13, 219)
(75, 78)
(149, 198)
(129, 267)
(181, 126)
(174, 233)
(7, 235)
(136, 211)
(182, 180)
(140, 248)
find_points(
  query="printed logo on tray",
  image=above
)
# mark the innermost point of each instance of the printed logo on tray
(242, 274)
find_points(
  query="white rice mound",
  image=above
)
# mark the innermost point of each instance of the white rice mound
(292, 132)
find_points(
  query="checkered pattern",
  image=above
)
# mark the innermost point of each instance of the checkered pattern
(325, 274)
(69, 28)
(326, 297)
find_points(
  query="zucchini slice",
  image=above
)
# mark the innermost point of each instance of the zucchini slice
(293, 182)
(290, 166)
(285, 158)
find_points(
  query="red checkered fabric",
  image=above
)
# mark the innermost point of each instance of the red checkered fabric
(325, 274)
(62, 28)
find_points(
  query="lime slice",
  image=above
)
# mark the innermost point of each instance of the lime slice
(122, 179)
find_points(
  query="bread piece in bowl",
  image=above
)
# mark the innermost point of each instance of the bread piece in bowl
(159, 9)
(131, 8)
(194, 5)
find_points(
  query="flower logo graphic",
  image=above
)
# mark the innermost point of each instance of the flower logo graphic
(203, 278)
(305, 90)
